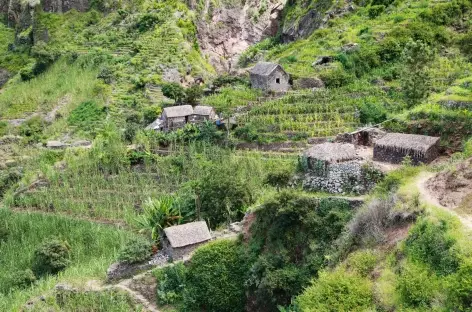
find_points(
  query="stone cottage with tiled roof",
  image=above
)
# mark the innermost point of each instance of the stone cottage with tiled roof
(269, 77)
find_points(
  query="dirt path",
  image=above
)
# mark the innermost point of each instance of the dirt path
(124, 285)
(430, 199)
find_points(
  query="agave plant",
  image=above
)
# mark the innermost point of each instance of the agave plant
(158, 214)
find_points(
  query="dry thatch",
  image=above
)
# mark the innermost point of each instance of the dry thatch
(178, 111)
(187, 234)
(202, 110)
(263, 68)
(332, 152)
(407, 143)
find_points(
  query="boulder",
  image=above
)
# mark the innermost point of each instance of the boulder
(309, 83)
(56, 145)
(322, 60)
(350, 47)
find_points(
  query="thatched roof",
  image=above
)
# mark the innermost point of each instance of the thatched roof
(407, 142)
(178, 111)
(187, 234)
(332, 152)
(202, 110)
(264, 68)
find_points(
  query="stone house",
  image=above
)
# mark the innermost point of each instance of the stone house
(181, 240)
(269, 77)
(202, 113)
(394, 147)
(175, 117)
(336, 168)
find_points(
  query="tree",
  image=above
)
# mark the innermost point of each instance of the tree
(278, 178)
(174, 91)
(215, 278)
(192, 94)
(415, 78)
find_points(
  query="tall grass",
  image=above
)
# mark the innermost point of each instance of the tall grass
(93, 248)
(48, 90)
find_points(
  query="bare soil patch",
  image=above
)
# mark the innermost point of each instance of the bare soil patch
(451, 187)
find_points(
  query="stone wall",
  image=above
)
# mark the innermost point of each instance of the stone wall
(181, 253)
(347, 177)
(397, 157)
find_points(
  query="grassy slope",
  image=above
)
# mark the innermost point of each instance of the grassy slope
(93, 248)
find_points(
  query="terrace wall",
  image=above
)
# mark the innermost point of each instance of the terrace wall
(346, 177)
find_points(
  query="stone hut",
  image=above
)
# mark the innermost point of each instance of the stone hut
(181, 240)
(394, 147)
(202, 113)
(269, 77)
(336, 168)
(175, 117)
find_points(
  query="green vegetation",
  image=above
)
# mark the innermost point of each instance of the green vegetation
(84, 250)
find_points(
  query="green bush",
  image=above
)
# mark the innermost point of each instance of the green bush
(336, 78)
(416, 286)
(337, 291)
(22, 279)
(363, 262)
(215, 278)
(193, 94)
(170, 283)
(151, 113)
(87, 116)
(173, 91)
(465, 44)
(51, 257)
(279, 177)
(429, 243)
(3, 128)
(136, 250)
(147, 21)
(376, 10)
(33, 129)
(372, 113)
(460, 288)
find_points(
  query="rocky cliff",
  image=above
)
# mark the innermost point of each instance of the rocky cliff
(225, 30)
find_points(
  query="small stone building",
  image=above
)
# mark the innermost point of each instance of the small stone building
(336, 168)
(175, 117)
(202, 113)
(269, 77)
(394, 147)
(181, 240)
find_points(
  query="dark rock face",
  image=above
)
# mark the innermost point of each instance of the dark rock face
(315, 18)
(60, 6)
(4, 76)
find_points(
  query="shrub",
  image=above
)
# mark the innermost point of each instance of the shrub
(376, 10)
(51, 257)
(460, 288)
(86, 116)
(22, 279)
(33, 129)
(465, 44)
(223, 198)
(215, 278)
(3, 128)
(4, 232)
(363, 262)
(170, 283)
(136, 250)
(336, 78)
(279, 178)
(151, 113)
(369, 224)
(429, 243)
(372, 113)
(337, 291)
(416, 286)
(147, 21)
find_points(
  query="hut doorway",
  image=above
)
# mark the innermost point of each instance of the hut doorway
(277, 80)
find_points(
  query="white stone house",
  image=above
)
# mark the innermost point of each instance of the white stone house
(269, 77)
(175, 117)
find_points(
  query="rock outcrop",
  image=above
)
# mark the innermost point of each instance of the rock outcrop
(225, 32)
